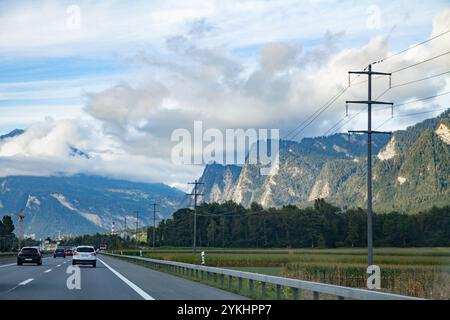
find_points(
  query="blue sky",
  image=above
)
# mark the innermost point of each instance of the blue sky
(122, 67)
(102, 48)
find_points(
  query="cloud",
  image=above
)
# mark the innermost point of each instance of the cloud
(189, 73)
(287, 85)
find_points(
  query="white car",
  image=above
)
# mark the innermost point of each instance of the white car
(85, 255)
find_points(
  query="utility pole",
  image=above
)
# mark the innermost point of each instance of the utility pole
(369, 133)
(154, 223)
(137, 225)
(125, 229)
(21, 217)
(195, 194)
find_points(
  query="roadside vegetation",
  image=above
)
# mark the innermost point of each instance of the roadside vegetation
(418, 272)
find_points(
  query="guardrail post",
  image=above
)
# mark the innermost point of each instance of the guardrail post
(240, 283)
(316, 295)
(251, 285)
(207, 276)
(295, 293)
(222, 280)
(230, 282)
(278, 291)
(263, 289)
(203, 275)
(196, 273)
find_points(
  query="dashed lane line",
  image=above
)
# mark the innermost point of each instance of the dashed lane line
(138, 290)
(26, 282)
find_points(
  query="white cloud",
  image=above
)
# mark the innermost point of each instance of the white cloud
(191, 75)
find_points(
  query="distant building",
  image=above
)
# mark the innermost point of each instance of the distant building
(31, 236)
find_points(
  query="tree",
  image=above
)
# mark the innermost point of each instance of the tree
(6, 226)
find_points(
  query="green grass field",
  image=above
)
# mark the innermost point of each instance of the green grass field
(419, 272)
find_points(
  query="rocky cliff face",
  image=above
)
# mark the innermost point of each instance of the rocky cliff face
(410, 171)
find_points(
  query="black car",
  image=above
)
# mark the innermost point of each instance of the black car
(59, 252)
(29, 255)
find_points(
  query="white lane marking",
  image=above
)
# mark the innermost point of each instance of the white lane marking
(47, 271)
(8, 265)
(58, 266)
(138, 290)
(26, 281)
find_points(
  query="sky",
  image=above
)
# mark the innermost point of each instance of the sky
(115, 78)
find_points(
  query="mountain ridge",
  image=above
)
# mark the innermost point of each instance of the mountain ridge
(410, 171)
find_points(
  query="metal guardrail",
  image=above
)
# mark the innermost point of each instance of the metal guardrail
(202, 272)
(8, 254)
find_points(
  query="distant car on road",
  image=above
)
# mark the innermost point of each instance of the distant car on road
(69, 252)
(29, 255)
(59, 252)
(85, 255)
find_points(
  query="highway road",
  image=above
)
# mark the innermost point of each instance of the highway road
(113, 279)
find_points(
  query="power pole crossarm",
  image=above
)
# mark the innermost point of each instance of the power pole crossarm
(370, 72)
(373, 131)
(371, 102)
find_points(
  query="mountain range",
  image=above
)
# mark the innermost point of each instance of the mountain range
(410, 171)
(83, 204)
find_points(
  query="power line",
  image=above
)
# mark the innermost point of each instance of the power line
(318, 112)
(229, 214)
(397, 105)
(420, 62)
(407, 67)
(314, 118)
(326, 106)
(418, 80)
(410, 115)
(412, 47)
(421, 99)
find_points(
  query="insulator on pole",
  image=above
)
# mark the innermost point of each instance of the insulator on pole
(390, 81)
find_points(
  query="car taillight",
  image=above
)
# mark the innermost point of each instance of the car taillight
(93, 254)
(75, 253)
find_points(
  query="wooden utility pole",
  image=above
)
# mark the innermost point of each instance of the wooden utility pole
(195, 193)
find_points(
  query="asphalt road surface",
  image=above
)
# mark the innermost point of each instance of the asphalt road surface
(113, 279)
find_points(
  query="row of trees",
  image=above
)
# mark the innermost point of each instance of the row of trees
(231, 225)
(7, 238)
(112, 241)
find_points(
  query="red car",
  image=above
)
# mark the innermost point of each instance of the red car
(69, 252)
